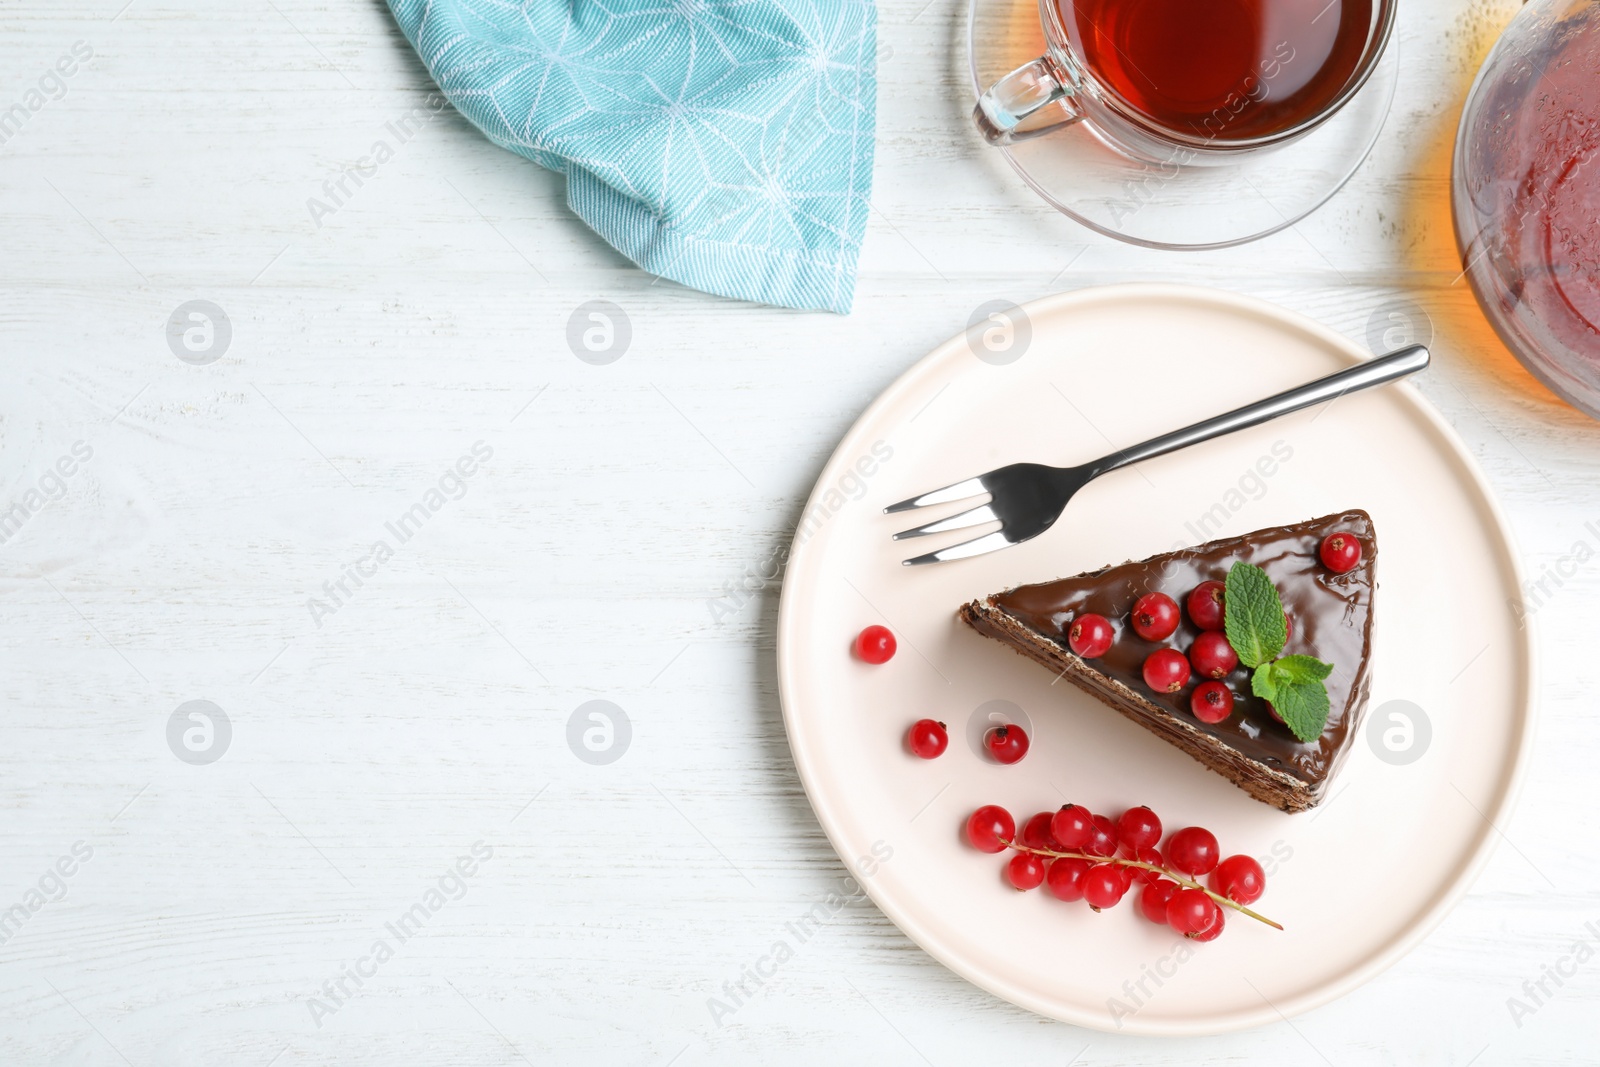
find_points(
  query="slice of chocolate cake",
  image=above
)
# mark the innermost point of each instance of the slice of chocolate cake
(1329, 618)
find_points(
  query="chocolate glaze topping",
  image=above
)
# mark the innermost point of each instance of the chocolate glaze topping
(1331, 616)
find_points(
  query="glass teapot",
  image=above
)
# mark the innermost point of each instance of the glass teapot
(1525, 193)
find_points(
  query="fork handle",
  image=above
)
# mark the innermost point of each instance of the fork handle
(1386, 368)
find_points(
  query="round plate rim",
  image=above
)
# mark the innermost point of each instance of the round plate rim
(1443, 903)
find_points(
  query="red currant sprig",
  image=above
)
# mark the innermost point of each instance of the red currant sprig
(1153, 871)
(1076, 855)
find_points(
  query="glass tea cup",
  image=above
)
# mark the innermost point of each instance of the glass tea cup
(1218, 79)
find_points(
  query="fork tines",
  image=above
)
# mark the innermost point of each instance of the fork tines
(989, 542)
(958, 491)
(975, 516)
(960, 521)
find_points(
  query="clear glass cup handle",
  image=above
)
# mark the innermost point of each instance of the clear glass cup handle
(1018, 95)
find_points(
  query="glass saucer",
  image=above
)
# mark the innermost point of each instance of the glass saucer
(1171, 206)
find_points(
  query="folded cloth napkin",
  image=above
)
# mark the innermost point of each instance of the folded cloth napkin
(725, 144)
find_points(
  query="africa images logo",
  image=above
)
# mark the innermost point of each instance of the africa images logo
(452, 885)
(50, 87)
(451, 485)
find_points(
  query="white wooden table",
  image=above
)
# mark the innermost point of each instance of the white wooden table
(376, 737)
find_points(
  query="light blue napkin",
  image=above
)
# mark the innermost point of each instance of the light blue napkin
(725, 144)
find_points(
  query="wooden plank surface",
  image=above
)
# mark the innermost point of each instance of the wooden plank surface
(377, 738)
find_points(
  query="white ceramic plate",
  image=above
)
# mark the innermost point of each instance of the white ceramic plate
(1105, 368)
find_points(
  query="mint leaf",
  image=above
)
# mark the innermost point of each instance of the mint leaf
(1253, 615)
(1264, 682)
(1294, 687)
(1304, 707)
(1302, 670)
(1254, 622)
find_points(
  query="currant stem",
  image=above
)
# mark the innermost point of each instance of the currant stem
(1180, 879)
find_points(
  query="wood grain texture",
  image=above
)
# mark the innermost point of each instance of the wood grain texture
(374, 745)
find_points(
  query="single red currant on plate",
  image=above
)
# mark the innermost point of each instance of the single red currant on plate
(1155, 616)
(1212, 655)
(1125, 875)
(1072, 826)
(1064, 879)
(1211, 701)
(1103, 886)
(927, 738)
(1144, 855)
(1191, 912)
(1138, 828)
(1036, 833)
(1240, 879)
(875, 644)
(1103, 841)
(991, 828)
(1340, 553)
(1006, 743)
(1089, 635)
(1025, 871)
(1166, 670)
(1214, 931)
(1153, 900)
(1193, 851)
(1205, 605)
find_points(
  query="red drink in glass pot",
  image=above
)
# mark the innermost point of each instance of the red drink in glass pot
(1526, 190)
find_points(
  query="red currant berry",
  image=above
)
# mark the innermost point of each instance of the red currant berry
(1124, 872)
(991, 828)
(1006, 743)
(1103, 841)
(1103, 886)
(1193, 851)
(1190, 911)
(1166, 670)
(1036, 833)
(1211, 701)
(1212, 932)
(1064, 879)
(1212, 656)
(1155, 616)
(875, 644)
(1240, 879)
(1153, 900)
(1025, 871)
(1089, 635)
(927, 738)
(1205, 605)
(1125, 875)
(1138, 828)
(1288, 628)
(1145, 855)
(1072, 826)
(1274, 712)
(1340, 553)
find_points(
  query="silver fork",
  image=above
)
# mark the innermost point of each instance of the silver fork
(1027, 498)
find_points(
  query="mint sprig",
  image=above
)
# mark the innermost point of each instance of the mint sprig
(1254, 621)
(1253, 615)
(1294, 685)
